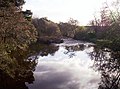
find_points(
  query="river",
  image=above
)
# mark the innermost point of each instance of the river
(68, 67)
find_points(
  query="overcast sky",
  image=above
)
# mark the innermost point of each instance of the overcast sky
(62, 10)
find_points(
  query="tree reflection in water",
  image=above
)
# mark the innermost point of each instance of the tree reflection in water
(26, 63)
(23, 72)
(107, 62)
(43, 49)
(71, 49)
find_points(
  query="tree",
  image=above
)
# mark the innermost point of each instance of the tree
(73, 22)
(68, 28)
(16, 34)
(48, 31)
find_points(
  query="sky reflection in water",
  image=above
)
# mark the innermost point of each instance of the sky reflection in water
(63, 71)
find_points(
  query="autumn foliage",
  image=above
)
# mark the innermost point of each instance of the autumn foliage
(16, 34)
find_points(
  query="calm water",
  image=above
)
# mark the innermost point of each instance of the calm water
(68, 67)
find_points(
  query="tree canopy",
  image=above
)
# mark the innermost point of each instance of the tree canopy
(7, 3)
(16, 34)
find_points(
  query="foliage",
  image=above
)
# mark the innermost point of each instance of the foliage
(72, 30)
(16, 34)
(107, 62)
(28, 14)
(73, 22)
(7, 3)
(107, 26)
(48, 31)
(68, 29)
(46, 27)
(85, 33)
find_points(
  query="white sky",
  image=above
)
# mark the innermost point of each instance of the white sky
(62, 10)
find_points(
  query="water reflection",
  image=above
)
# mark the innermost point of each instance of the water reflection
(44, 49)
(79, 47)
(61, 71)
(25, 62)
(72, 49)
(23, 72)
(65, 66)
(107, 62)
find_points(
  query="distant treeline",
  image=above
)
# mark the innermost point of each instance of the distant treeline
(107, 35)
(104, 31)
